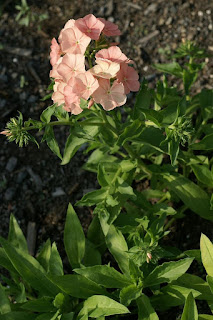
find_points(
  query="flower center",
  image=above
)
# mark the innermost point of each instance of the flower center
(108, 92)
(125, 79)
(89, 30)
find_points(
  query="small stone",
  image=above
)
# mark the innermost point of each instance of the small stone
(210, 26)
(208, 11)
(58, 192)
(161, 21)
(2, 103)
(12, 162)
(21, 176)
(23, 96)
(200, 13)
(9, 194)
(151, 8)
(168, 21)
(14, 75)
(32, 99)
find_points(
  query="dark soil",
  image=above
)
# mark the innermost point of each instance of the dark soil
(33, 184)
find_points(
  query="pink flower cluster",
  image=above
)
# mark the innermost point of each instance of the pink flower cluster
(107, 82)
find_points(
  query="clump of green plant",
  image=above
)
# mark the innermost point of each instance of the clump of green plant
(26, 16)
(165, 140)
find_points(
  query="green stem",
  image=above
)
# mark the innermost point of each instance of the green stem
(63, 123)
(133, 155)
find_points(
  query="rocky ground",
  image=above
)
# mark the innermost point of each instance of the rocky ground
(33, 184)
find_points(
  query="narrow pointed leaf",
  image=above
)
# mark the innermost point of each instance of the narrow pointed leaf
(167, 272)
(74, 239)
(145, 309)
(105, 276)
(190, 309)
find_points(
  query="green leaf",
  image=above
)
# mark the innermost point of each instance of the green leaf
(172, 296)
(206, 248)
(68, 316)
(143, 100)
(74, 239)
(188, 79)
(72, 145)
(190, 309)
(205, 317)
(191, 194)
(48, 316)
(49, 137)
(195, 253)
(101, 306)
(39, 305)
(44, 255)
(171, 68)
(93, 197)
(77, 286)
(131, 131)
(17, 315)
(5, 262)
(55, 262)
(145, 309)
(47, 114)
(105, 276)
(129, 293)
(193, 282)
(204, 144)
(92, 256)
(173, 149)
(29, 269)
(117, 245)
(203, 174)
(4, 301)
(210, 283)
(16, 236)
(167, 272)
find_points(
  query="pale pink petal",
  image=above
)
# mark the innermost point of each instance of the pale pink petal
(85, 84)
(54, 72)
(91, 26)
(55, 52)
(129, 77)
(110, 28)
(105, 68)
(109, 96)
(70, 23)
(113, 53)
(74, 41)
(58, 94)
(71, 65)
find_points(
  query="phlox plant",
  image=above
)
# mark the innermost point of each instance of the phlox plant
(165, 140)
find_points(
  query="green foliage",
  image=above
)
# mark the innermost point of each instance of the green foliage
(154, 166)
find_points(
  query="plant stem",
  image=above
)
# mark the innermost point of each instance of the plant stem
(133, 155)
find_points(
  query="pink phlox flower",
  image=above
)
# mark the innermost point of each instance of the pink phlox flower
(70, 99)
(69, 24)
(85, 84)
(129, 77)
(55, 52)
(110, 29)
(71, 65)
(74, 41)
(54, 72)
(90, 25)
(113, 53)
(106, 69)
(109, 96)
(58, 94)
